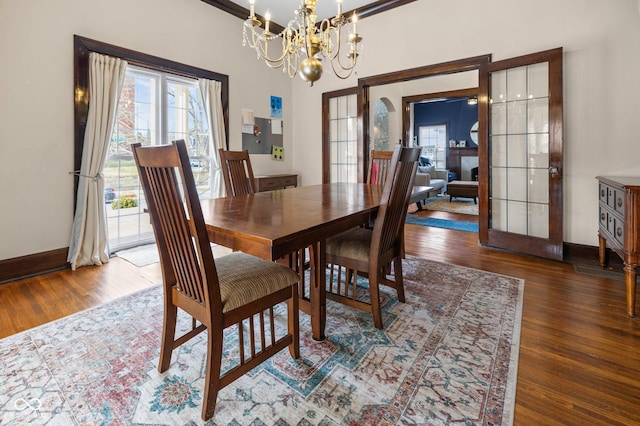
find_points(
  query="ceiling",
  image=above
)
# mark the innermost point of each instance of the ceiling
(282, 11)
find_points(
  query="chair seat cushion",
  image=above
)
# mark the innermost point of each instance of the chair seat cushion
(354, 244)
(244, 279)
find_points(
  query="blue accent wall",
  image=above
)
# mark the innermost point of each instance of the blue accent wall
(457, 114)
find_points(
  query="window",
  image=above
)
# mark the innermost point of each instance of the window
(381, 126)
(154, 108)
(433, 140)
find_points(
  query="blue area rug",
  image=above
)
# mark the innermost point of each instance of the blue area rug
(443, 223)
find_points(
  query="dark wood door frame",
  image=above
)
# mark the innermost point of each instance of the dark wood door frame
(364, 84)
(408, 100)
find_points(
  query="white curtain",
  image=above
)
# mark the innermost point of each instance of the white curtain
(88, 245)
(211, 92)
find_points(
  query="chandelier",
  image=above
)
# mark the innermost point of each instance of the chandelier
(303, 44)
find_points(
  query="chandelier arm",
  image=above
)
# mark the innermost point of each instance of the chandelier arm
(338, 44)
(269, 60)
(342, 76)
(354, 62)
(336, 56)
(262, 49)
(326, 31)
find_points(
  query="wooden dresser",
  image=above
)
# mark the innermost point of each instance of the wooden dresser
(271, 182)
(619, 204)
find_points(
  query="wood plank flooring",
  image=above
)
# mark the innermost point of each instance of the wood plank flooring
(579, 352)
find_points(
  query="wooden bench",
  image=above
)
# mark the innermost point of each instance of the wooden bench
(463, 188)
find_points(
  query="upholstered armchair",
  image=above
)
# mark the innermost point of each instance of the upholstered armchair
(430, 176)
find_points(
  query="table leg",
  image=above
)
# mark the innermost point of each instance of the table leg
(602, 250)
(318, 290)
(630, 281)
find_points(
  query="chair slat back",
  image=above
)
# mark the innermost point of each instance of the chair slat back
(379, 162)
(178, 223)
(395, 199)
(237, 172)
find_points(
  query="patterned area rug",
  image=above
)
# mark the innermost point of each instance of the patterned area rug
(447, 356)
(457, 205)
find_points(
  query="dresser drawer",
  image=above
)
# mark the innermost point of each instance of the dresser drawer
(610, 223)
(618, 201)
(604, 215)
(269, 183)
(602, 194)
(611, 227)
(613, 197)
(618, 230)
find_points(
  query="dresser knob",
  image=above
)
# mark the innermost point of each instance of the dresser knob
(602, 192)
(602, 217)
(619, 202)
(619, 232)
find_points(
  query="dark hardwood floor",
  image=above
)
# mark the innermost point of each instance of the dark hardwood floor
(579, 352)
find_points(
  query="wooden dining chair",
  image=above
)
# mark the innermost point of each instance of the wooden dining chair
(237, 172)
(235, 289)
(378, 166)
(367, 252)
(377, 173)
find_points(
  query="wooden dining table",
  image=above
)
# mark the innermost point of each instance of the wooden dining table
(275, 224)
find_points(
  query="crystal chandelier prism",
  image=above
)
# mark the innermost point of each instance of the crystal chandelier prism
(303, 45)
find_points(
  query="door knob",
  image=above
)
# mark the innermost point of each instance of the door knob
(553, 171)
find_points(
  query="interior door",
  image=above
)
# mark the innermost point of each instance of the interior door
(520, 150)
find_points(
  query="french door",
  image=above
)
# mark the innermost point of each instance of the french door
(520, 150)
(154, 108)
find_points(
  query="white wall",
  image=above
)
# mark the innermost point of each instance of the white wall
(601, 42)
(36, 96)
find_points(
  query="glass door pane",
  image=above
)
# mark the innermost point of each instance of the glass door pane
(137, 122)
(154, 108)
(186, 118)
(519, 161)
(343, 139)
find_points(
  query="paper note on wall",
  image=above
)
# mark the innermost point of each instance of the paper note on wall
(248, 120)
(276, 127)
